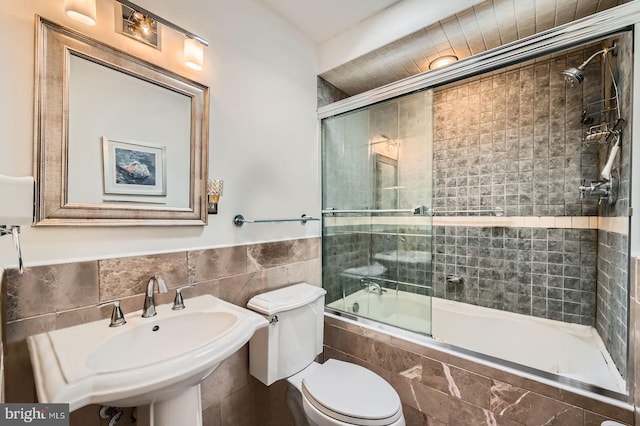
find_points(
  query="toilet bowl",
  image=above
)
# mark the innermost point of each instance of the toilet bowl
(333, 393)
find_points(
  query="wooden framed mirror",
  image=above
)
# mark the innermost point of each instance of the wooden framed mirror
(118, 141)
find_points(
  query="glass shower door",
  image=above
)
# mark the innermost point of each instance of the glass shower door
(377, 239)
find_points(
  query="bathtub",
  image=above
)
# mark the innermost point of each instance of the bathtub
(570, 350)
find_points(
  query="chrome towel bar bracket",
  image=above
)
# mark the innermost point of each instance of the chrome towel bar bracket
(14, 231)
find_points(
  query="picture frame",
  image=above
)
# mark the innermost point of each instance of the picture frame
(134, 167)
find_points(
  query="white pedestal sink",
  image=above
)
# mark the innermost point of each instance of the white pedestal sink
(158, 361)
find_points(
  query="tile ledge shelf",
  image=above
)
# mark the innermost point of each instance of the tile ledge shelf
(618, 225)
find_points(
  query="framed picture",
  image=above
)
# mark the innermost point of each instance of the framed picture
(134, 168)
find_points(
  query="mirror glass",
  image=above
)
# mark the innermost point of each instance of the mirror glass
(386, 182)
(130, 150)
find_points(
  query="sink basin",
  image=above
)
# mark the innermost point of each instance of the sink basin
(157, 341)
(145, 361)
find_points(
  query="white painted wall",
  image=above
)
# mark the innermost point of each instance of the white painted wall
(263, 126)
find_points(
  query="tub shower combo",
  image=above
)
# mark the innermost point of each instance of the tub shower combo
(490, 214)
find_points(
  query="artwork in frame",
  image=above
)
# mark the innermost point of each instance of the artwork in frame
(133, 167)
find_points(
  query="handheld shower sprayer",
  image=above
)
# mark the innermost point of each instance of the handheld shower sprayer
(614, 135)
(574, 76)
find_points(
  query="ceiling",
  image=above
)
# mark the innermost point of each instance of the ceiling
(487, 25)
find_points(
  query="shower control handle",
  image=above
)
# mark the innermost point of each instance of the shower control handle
(455, 279)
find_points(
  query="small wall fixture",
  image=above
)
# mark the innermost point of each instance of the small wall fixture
(81, 10)
(214, 192)
(442, 61)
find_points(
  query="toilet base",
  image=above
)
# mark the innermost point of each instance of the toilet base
(294, 402)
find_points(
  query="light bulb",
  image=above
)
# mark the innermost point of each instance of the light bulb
(193, 54)
(81, 10)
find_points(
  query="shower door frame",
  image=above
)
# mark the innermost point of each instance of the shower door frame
(625, 17)
(375, 215)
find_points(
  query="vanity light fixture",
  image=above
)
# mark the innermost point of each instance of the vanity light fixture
(81, 10)
(214, 192)
(146, 23)
(193, 54)
(442, 61)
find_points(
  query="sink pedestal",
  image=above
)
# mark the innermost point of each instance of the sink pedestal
(185, 409)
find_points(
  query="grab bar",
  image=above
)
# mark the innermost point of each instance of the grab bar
(416, 210)
(239, 220)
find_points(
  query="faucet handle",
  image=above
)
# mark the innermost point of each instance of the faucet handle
(178, 302)
(117, 317)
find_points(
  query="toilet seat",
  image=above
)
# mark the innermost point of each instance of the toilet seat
(351, 394)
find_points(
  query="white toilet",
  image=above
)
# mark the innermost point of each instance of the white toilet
(333, 393)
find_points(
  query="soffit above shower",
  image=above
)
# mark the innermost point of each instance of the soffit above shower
(321, 20)
(485, 26)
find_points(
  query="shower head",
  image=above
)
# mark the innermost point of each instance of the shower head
(575, 76)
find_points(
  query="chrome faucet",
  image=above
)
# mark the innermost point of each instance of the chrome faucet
(605, 190)
(149, 309)
(372, 286)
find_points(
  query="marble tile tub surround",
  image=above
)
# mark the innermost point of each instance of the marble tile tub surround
(57, 296)
(440, 388)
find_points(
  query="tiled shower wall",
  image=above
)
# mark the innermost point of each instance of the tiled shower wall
(548, 273)
(513, 139)
(362, 251)
(56, 296)
(613, 296)
(613, 247)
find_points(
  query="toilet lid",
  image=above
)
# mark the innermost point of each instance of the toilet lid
(351, 393)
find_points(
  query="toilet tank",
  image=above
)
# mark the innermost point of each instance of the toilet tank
(294, 336)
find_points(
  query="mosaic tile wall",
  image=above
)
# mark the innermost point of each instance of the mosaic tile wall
(529, 157)
(622, 67)
(548, 273)
(513, 139)
(342, 255)
(613, 296)
(56, 296)
(394, 257)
